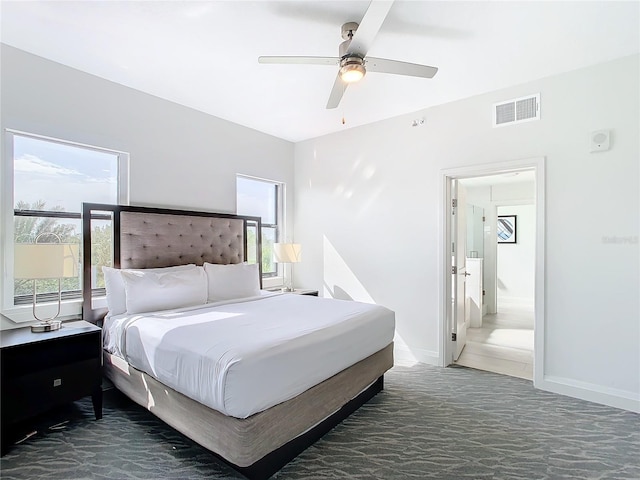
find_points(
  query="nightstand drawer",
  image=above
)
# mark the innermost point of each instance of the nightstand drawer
(36, 392)
(38, 356)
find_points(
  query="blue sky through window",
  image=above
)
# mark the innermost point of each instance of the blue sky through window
(63, 175)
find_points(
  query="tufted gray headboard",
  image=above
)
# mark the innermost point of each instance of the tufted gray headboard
(145, 237)
(151, 240)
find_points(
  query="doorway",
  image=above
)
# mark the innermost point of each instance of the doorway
(494, 322)
(501, 331)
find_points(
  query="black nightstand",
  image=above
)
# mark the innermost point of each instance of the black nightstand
(40, 371)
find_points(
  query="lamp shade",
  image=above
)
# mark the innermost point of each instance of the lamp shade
(46, 260)
(287, 252)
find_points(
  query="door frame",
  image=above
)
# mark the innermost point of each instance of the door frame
(458, 313)
(537, 164)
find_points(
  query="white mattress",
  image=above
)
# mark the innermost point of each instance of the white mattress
(243, 357)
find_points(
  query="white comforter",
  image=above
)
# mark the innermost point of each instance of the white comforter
(243, 357)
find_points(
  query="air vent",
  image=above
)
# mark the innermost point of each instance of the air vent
(518, 110)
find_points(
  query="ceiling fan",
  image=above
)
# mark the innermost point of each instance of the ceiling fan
(353, 61)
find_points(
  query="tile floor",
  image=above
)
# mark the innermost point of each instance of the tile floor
(504, 343)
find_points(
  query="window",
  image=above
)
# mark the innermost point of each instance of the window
(261, 198)
(49, 180)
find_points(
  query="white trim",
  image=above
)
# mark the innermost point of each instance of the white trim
(64, 142)
(538, 165)
(404, 355)
(444, 326)
(539, 286)
(590, 392)
(123, 178)
(6, 203)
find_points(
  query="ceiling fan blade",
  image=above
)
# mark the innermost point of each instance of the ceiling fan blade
(336, 93)
(384, 65)
(332, 61)
(369, 27)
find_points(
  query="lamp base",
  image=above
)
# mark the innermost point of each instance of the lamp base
(46, 326)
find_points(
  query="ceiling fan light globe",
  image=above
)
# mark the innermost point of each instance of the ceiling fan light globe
(352, 73)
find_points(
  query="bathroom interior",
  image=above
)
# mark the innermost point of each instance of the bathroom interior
(500, 281)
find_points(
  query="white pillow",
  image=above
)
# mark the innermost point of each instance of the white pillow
(114, 285)
(236, 280)
(151, 291)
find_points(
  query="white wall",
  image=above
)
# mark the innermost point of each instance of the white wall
(367, 214)
(516, 262)
(179, 157)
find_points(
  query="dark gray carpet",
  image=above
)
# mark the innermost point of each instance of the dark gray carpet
(429, 422)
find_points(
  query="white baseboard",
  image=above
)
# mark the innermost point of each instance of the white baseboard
(405, 355)
(590, 392)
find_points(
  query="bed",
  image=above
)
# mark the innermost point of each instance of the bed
(253, 376)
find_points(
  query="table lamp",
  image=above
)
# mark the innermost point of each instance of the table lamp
(287, 253)
(39, 261)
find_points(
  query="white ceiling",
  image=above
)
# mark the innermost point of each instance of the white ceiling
(203, 54)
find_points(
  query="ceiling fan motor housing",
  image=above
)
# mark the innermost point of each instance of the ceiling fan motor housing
(348, 29)
(351, 59)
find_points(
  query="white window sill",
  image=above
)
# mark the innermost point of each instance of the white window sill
(272, 282)
(24, 313)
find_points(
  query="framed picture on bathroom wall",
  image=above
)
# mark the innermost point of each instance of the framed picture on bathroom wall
(506, 229)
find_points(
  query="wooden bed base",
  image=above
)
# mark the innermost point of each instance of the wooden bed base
(274, 461)
(260, 445)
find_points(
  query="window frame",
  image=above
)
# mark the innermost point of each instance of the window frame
(273, 278)
(17, 307)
